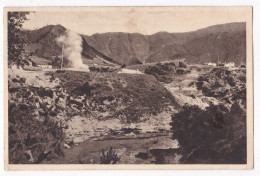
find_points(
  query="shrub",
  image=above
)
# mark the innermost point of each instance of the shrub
(180, 71)
(110, 157)
(214, 135)
(30, 140)
(182, 65)
(231, 81)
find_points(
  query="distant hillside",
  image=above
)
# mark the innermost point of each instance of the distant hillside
(226, 42)
(42, 43)
(124, 48)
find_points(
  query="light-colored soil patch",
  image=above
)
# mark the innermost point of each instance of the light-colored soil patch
(34, 78)
(83, 128)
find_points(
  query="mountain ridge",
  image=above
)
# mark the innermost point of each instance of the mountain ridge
(169, 46)
(223, 42)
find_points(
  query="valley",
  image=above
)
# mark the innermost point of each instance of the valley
(129, 98)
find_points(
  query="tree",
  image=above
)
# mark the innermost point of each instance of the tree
(15, 42)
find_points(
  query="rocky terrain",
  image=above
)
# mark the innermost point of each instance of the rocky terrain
(84, 107)
(227, 85)
(217, 133)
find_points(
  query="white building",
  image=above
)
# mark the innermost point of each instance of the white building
(230, 64)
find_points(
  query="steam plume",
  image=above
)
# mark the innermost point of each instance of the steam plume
(72, 49)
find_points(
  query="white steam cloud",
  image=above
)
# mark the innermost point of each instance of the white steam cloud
(72, 43)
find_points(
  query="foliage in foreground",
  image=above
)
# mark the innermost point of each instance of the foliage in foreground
(110, 157)
(15, 42)
(215, 135)
(32, 141)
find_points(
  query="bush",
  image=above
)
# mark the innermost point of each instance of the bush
(215, 135)
(110, 157)
(162, 72)
(30, 140)
(182, 65)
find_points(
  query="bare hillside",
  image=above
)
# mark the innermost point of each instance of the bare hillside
(226, 42)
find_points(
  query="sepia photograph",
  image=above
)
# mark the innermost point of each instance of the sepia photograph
(128, 88)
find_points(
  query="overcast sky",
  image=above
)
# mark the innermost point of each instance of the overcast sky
(145, 21)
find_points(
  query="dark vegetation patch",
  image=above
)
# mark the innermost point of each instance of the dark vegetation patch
(109, 157)
(142, 155)
(101, 69)
(131, 130)
(216, 135)
(32, 141)
(182, 71)
(166, 72)
(123, 95)
(163, 156)
(70, 80)
(35, 126)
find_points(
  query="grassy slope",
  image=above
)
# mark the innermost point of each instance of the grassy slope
(130, 96)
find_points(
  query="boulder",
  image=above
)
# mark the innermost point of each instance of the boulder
(78, 103)
(66, 146)
(14, 86)
(53, 113)
(42, 112)
(22, 80)
(42, 92)
(15, 80)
